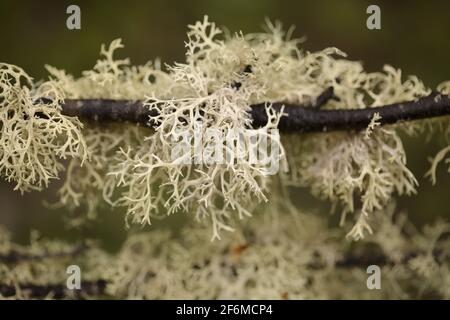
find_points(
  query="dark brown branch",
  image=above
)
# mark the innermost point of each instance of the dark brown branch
(323, 98)
(17, 256)
(55, 291)
(377, 258)
(97, 287)
(298, 118)
(312, 120)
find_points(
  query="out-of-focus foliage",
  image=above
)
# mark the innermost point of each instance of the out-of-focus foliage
(274, 256)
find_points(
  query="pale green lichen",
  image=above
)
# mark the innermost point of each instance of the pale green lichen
(272, 257)
(34, 133)
(374, 122)
(346, 168)
(88, 187)
(282, 253)
(222, 76)
(113, 78)
(440, 156)
(445, 126)
(40, 262)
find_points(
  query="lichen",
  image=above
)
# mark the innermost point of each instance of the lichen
(281, 253)
(223, 75)
(347, 168)
(34, 134)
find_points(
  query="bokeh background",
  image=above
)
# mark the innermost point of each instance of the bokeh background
(414, 37)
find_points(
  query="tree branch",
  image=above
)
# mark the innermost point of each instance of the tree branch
(97, 287)
(298, 118)
(15, 256)
(54, 291)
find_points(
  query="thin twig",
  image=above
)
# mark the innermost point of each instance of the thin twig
(297, 118)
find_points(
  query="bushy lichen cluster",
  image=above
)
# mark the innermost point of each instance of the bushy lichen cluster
(34, 134)
(293, 255)
(222, 76)
(40, 264)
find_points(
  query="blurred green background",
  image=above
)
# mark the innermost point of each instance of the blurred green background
(414, 37)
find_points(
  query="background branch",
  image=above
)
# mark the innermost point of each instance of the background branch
(16, 256)
(55, 291)
(97, 287)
